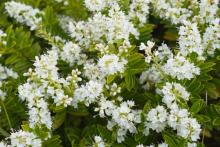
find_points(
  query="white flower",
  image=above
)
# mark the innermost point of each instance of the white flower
(163, 145)
(180, 68)
(208, 10)
(92, 71)
(64, 22)
(23, 139)
(156, 119)
(172, 10)
(176, 115)
(111, 64)
(125, 118)
(115, 26)
(71, 53)
(95, 5)
(45, 66)
(190, 40)
(98, 142)
(122, 116)
(3, 144)
(88, 93)
(211, 37)
(38, 107)
(189, 144)
(147, 50)
(24, 14)
(163, 52)
(173, 92)
(150, 76)
(139, 9)
(105, 107)
(61, 99)
(186, 127)
(113, 89)
(40, 114)
(189, 128)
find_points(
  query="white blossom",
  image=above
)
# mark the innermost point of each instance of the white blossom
(174, 92)
(45, 66)
(156, 119)
(98, 5)
(111, 64)
(163, 52)
(72, 54)
(24, 14)
(208, 11)
(186, 126)
(172, 10)
(115, 26)
(189, 128)
(180, 68)
(98, 142)
(211, 37)
(190, 40)
(92, 71)
(149, 77)
(163, 145)
(114, 89)
(139, 9)
(23, 139)
(88, 93)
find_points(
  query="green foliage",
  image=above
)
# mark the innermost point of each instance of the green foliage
(20, 50)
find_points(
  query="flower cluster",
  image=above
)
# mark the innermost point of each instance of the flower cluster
(190, 39)
(22, 139)
(179, 67)
(114, 26)
(174, 92)
(139, 9)
(122, 116)
(178, 119)
(24, 14)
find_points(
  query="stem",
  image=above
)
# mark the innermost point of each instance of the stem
(6, 114)
(203, 135)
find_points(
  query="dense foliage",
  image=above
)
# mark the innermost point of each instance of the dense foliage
(114, 73)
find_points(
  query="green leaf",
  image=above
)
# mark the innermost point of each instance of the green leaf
(145, 33)
(136, 64)
(197, 106)
(73, 134)
(216, 121)
(106, 134)
(147, 107)
(130, 81)
(169, 140)
(4, 133)
(217, 108)
(212, 90)
(138, 136)
(54, 141)
(203, 118)
(110, 79)
(41, 131)
(59, 119)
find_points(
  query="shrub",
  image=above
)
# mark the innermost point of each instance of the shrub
(110, 73)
